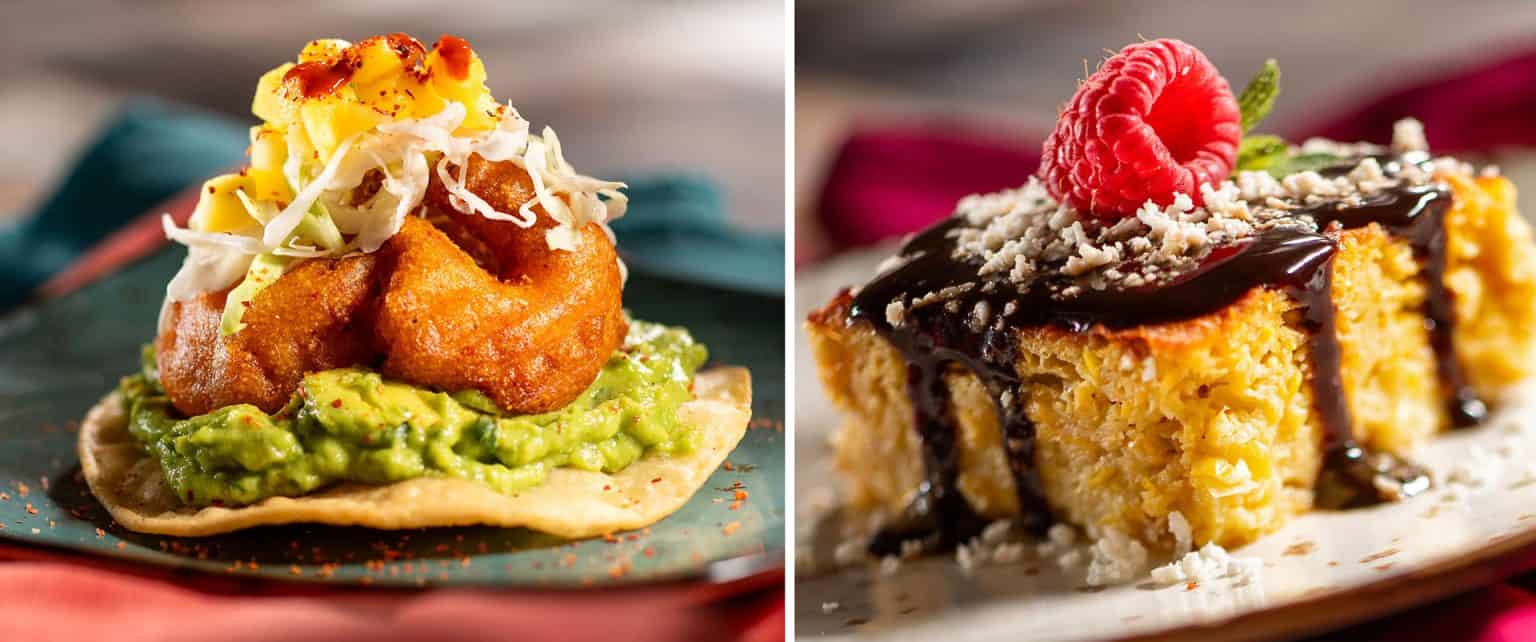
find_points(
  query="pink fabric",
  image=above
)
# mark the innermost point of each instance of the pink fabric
(892, 180)
(54, 601)
(1500, 613)
(889, 181)
(1487, 106)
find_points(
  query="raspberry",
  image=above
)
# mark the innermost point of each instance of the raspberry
(1154, 121)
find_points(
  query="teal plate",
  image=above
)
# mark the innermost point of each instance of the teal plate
(59, 357)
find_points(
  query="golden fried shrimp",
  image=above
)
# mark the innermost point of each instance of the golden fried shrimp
(527, 325)
(315, 317)
(531, 331)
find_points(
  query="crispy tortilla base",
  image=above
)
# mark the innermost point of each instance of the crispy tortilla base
(571, 503)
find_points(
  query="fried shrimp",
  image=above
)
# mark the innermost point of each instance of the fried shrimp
(527, 325)
(531, 332)
(316, 316)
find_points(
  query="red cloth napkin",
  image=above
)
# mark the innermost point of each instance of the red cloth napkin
(886, 181)
(890, 181)
(43, 601)
(47, 595)
(1484, 107)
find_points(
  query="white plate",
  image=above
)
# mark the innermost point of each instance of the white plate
(1357, 564)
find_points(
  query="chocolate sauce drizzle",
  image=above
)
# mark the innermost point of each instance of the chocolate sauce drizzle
(971, 329)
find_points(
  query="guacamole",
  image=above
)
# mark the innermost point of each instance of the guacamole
(354, 425)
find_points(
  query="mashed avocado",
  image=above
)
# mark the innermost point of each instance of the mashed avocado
(353, 425)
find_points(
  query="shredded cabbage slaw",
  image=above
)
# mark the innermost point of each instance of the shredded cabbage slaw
(321, 221)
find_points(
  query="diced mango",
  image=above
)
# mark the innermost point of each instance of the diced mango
(268, 185)
(269, 103)
(219, 210)
(323, 49)
(480, 115)
(469, 90)
(465, 90)
(424, 100)
(380, 89)
(376, 62)
(332, 120)
(268, 149)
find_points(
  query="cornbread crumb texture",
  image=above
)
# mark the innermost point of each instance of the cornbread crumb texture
(1491, 272)
(1131, 425)
(1208, 417)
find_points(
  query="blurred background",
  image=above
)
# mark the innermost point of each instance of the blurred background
(634, 88)
(991, 72)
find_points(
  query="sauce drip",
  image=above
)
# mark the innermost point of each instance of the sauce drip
(408, 49)
(315, 79)
(456, 55)
(971, 330)
(320, 78)
(1417, 215)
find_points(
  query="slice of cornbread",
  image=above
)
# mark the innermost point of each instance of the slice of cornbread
(1212, 416)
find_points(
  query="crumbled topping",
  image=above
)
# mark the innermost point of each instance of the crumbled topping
(1018, 236)
(895, 313)
(980, 315)
(1408, 136)
(1183, 536)
(998, 543)
(1210, 563)
(1336, 148)
(1116, 558)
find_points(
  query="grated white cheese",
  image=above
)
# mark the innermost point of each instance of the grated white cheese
(1408, 136)
(1024, 233)
(1183, 536)
(1210, 563)
(1116, 558)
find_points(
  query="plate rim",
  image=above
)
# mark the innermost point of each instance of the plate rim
(1495, 561)
(125, 250)
(1333, 609)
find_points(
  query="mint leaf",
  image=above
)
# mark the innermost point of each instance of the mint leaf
(1259, 96)
(1260, 152)
(1303, 162)
(1271, 154)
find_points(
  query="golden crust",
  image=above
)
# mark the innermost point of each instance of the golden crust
(571, 503)
(531, 334)
(1210, 417)
(315, 317)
